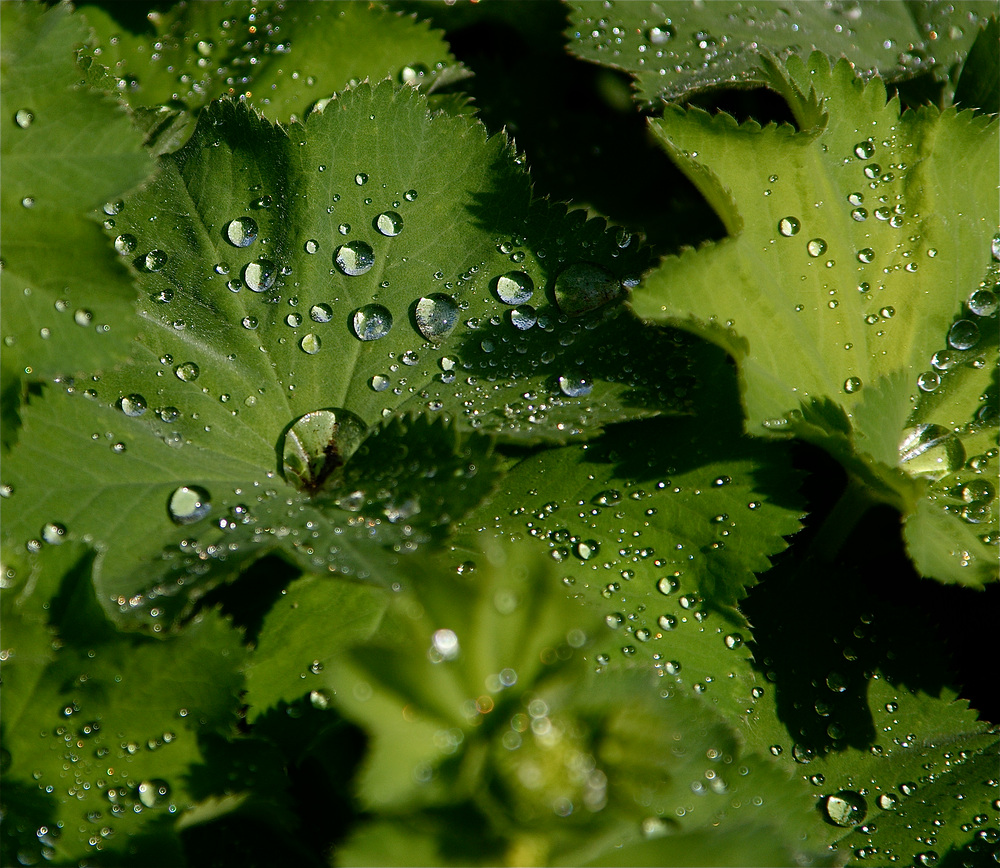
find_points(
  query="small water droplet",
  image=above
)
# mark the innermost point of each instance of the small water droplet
(852, 384)
(389, 223)
(523, 317)
(928, 381)
(250, 322)
(153, 793)
(514, 287)
(436, 315)
(188, 372)
(371, 322)
(54, 533)
(361, 179)
(585, 286)
(24, 118)
(864, 150)
(380, 382)
(310, 344)
(189, 504)
(311, 246)
(132, 405)
(788, 226)
(983, 302)
(575, 386)
(662, 34)
(125, 244)
(410, 195)
(242, 232)
(963, 335)
(321, 312)
(845, 808)
(866, 254)
(667, 585)
(259, 276)
(354, 258)
(155, 260)
(294, 320)
(816, 247)
(859, 214)
(873, 171)
(888, 801)
(113, 208)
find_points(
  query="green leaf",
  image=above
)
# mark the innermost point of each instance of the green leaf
(285, 57)
(977, 86)
(660, 526)
(66, 149)
(221, 372)
(672, 49)
(835, 295)
(110, 726)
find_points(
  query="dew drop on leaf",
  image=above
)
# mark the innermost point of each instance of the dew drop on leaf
(514, 287)
(125, 244)
(83, 317)
(153, 793)
(321, 699)
(963, 335)
(54, 533)
(259, 276)
(132, 405)
(361, 179)
(310, 344)
(852, 384)
(321, 312)
(859, 215)
(864, 150)
(983, 302)
(816, 247)
(873, 171)
(294, 320)
(930, 451)
(316, 444)
(379, 382)
(846, 808)
(189, 504)
(389, 223)
(242, 232)
(113, 208)
(585, 286)
(928, 381)
(866, 254)
(250, 322)
(662, 34)
(188, 372)
(371, 322)
(354, 258)
(888, 801)
(788, 226)
(410, 195)
(311, 246)
(979, 491)
(436, 315)
(575, 386)
(155, 260)
(23, 118)
(523, 317)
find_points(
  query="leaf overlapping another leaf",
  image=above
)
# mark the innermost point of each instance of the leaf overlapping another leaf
(865, 240)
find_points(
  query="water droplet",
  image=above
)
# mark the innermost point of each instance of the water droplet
(113, 208)
(361, 179)
(54, 533)
(132, 405)
(294, 320)
(928, 858)
(389, 223)
(410, 195)
(576, 386)
(250, 322)
(311, 246)
(310, 344)
(188, 372)
(928, 381)
(930, 451)
(155, 260)
(523, 317)
(846, 808)
(859, 214)
(667, 622)
(584, 286)
(354, 258)
(242, 232)
(983, 302)
(866, 254)
(321, 699)
(888, 801)
(153, 793)
(371, 322)
(514, 287)
(995, 247)
(888, 312)
(259, 276)
(344, 228)
(23, 118)
(852, 384)
(664, 33)
(816, 247)
(318, 443)
(864, 150)
(733, 641)
(380, 382)
(789, 226)
(979, 491)
(436, 315)
(873, 171)
(321, 312)
(82, 317)
(963, 335)
(189, 504)
(125, 244)
(667, 585)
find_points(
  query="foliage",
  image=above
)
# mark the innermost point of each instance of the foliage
(363, 505)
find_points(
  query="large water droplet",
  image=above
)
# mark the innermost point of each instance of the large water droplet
(125, 244)
(188, 372)
(155, 260)
(371, 322)
(189, 504)
(930, 451)
(523, 317)
(23, 118)
(242, 232)
(259, 276)
(354, 258)
(132, 405)
(153, 793)
(319, 442)
(321, 312)
(576, 385)
(816, 247)
(866, 254)
(662, 34)
(846, 808)
(436, 315)
(983, 302)
(864, 150)
(852, 384)
(788, 226)
(54, 533)
(963, 335)
(514, 287)
(584, 286)
(310, 344)
(389, 223)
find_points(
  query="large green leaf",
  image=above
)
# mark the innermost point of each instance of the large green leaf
(221, 372)
(285, 57)
(102, 732)
(660, 526)
(856, 242)
(674, 48)
(66, 149)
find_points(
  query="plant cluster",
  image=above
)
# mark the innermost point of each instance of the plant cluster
(363, 504)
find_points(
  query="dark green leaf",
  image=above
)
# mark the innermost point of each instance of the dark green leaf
(979, 83)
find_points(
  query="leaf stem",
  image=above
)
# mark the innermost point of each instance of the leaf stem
(853, 504)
